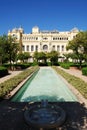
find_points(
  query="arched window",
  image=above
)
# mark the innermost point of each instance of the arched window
(45, 47)
(53, 48)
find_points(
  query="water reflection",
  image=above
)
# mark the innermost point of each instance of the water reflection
(43, 97)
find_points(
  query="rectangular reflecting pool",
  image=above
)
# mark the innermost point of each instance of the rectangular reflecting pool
(45, 84)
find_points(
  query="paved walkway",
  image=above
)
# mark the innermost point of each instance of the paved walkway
(76, 72)
(11, 74)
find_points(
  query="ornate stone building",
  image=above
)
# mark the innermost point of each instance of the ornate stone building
(43, 41)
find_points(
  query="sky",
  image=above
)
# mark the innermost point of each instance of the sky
(61, 15)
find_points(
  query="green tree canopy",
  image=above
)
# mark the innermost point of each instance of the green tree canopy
(79, 46)
(23, 56)
(40, 56)
(53, 56)
(8, 48)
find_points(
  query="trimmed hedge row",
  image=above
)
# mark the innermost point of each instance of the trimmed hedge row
(18, 65)
(3, 71)
(65, 65)
(22, 66)
(10, 84)
(78, 83)
(84, 71)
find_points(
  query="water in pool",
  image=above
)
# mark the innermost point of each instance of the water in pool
(46, 84)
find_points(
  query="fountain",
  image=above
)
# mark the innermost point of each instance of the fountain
(44, 115)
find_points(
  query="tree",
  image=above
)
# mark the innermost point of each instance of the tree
(67, 56)
(40, 56)
(8, 48)
(79, 46)
(3, 55)
(53, 56)
(35, 55)
(26, 56)
(23, 56)
(84, 38)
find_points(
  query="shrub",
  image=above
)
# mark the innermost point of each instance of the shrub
(65, 65)
(48, 63)
(6, 65)
(42, 64)
(34, 63)
(84, 71)
(3, 71)
(56, 64)
(18, 66)
(21, 66)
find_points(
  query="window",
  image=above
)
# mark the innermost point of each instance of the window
(36, 49)
(58, 48)
(27, 47)
(53, 47)
(62, 47)
(32, 48)
(14, 35)
(45, 47)
(36, 38)
(45, 38)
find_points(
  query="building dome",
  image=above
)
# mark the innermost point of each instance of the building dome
(21, 30)
(75, 30)
(15, 30)
(36, 27)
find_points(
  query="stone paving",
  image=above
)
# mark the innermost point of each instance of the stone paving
(76, 72)
(11, 74)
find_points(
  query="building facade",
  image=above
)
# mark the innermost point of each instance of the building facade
(43, 41)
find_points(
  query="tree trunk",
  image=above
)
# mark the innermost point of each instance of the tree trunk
(10, 63)
(80, 63)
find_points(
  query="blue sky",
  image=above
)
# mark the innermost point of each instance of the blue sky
(62, 15)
